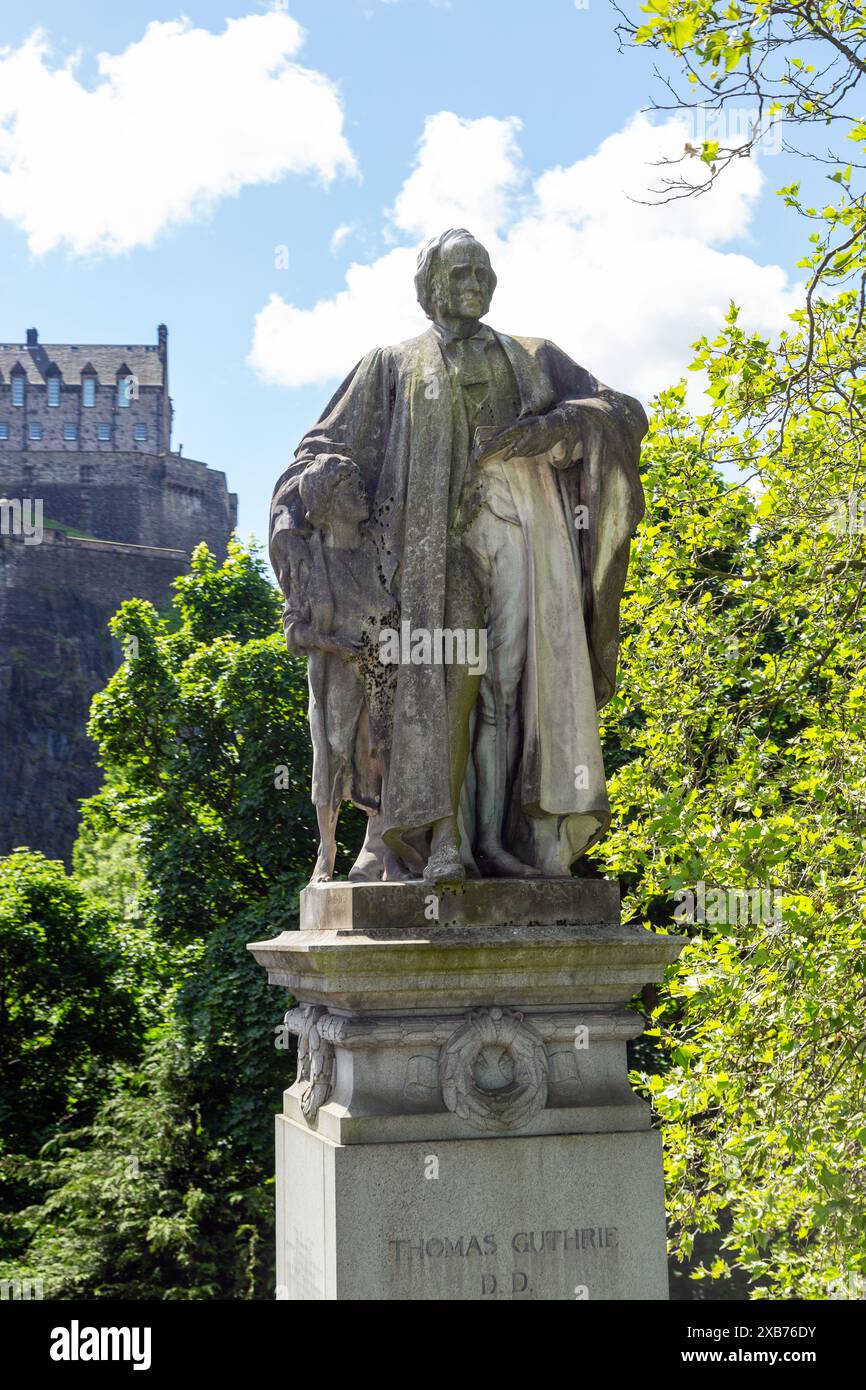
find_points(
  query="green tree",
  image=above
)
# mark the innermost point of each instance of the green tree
(794, 64)
(202, 734)
(739, 730)
(68, 1001)
(147, 1202)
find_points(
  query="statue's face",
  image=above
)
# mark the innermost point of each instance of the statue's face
(464, 281)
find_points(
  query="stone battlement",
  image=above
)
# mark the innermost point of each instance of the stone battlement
(158, 500)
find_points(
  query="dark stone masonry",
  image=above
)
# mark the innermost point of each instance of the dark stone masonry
(94, 508)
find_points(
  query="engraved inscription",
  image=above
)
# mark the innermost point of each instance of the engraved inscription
(425, 1254)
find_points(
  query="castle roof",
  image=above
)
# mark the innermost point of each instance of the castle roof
(105, 359)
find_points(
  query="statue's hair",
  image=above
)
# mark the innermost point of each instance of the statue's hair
(319, 481)
(428, 259)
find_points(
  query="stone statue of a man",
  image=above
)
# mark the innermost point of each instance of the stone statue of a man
(505, 490)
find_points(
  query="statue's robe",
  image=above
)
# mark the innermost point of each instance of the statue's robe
(398, 417)
(349, 709)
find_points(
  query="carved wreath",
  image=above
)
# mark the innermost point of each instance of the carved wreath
(315, 1062)
(523, 1092)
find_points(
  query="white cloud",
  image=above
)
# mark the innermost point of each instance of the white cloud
(624, 288)
(177, 121)
(466, 173)
(340, 234)
(296, 346)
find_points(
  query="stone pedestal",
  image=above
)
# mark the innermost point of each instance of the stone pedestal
(462, 1126)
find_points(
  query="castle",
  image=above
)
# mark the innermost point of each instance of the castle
(94, 508)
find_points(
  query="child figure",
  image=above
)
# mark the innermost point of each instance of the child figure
(335, 617)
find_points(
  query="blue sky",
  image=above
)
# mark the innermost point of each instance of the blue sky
(172, 198)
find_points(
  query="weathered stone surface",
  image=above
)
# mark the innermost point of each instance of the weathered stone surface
(413, 1076)
(462, 1126)
(458, 1030)
(476, 903)
(483, 486)
(466, 967)
(462, 1097)
(565, 1217)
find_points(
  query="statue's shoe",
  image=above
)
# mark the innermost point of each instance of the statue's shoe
(444, 866)
(501, 864)
(368, 874)
(367, 868)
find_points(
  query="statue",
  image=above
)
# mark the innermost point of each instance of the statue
(335, 613)
(504, 489)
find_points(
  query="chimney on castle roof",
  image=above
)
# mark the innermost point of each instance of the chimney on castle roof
(163, 407)
(32, 337)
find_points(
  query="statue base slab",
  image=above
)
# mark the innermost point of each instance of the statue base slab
(495, 1031)
(552, 1218)
(480, 902)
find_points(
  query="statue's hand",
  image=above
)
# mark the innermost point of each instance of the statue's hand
(289, 557)
(538, 434)
(340, 646)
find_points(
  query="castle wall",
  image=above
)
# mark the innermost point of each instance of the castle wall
(120, 518)
(56, 652)
(140, 500)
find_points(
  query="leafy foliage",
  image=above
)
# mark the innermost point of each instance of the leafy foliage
(792, 63)
(147, 1203)
(739, 730)
(195, 847)
(67, 1000)
(736, 744)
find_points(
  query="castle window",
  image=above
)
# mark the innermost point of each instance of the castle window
(53, 390)
(18, 389)
(4, 430)
(141, 432)
(125, 387)
(86, 473)
(103, 432)
(88, 391)
(35, 429)
(70, 430)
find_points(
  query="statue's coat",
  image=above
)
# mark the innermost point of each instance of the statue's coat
(396, 416)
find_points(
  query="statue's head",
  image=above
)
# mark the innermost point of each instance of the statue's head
(331, 488)
(454, 279)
